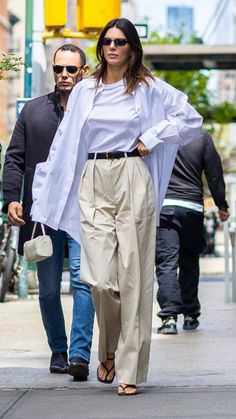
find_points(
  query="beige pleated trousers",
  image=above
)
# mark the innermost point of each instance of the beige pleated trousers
(118, 229)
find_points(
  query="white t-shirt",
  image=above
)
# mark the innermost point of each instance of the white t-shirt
(113, 123)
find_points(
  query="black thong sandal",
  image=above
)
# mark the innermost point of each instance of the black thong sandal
(108, 371)
(122, 390)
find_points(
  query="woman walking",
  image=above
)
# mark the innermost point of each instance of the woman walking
(117, 145)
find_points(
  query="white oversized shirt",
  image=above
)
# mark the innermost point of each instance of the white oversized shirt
(166, 120)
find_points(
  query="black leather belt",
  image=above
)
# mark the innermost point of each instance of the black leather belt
(114, 154)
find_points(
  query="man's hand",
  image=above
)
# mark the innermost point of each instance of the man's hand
(142, 149)
(15, 214)
(224, 215)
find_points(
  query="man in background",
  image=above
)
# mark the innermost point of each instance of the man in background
(180, 236)
(29, 145)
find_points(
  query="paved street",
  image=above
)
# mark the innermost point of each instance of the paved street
(191, 375)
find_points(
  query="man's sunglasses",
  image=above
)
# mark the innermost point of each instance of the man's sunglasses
(72, 69)
(118, 42)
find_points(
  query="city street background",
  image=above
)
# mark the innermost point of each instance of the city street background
(192, 374)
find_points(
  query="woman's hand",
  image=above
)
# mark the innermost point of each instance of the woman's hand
(142, 149)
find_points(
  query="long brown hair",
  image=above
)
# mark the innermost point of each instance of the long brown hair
(136, 71)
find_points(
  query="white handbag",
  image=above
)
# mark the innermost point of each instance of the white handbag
(39, 248)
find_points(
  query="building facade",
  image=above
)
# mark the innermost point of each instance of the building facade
(227, 78)
(16, 12)
(180, 20)
(4, 32)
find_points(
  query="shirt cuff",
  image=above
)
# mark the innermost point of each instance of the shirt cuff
(149, 139)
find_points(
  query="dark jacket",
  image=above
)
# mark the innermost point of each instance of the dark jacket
(29, 145)
(192, 160)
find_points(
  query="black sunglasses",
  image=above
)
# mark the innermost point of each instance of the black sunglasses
(72, 69)
(118, 42)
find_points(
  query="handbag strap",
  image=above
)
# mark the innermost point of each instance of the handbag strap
(34, 228)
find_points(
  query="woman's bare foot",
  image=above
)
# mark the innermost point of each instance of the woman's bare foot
(106, 370)
(127, 390)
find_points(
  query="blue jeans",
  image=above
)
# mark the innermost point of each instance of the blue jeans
(50, 276)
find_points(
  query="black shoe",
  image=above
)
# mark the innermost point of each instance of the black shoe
(59, 363)
(168, 326)
(79, 369)
(190, 323)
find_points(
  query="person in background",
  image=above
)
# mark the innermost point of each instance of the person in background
(180, 236)
(29, 145)
(113, 120)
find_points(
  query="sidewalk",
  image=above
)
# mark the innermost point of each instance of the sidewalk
(191, 375)
(212, 266)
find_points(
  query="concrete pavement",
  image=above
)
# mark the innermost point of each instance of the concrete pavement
(191, 375)
(152, 403)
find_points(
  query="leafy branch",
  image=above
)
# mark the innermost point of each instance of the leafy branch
(10, 63)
